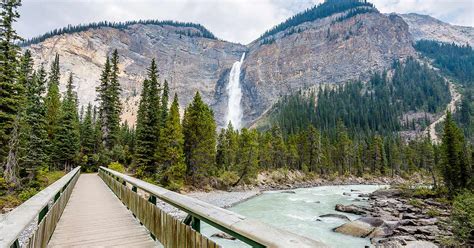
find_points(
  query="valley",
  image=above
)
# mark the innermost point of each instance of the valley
(341, 126)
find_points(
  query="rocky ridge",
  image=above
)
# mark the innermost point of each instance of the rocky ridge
(321, 52)
(425, 27)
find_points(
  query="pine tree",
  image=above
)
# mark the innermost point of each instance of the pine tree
(37, 143)
(87, 138)
(278, 149)
(11, 91)
(67, 138)
(148, 124)
(453, 167)
(199, 130)
(53, 106)
(164, 103)
(170, 152)
(247, 153)
(110, 107)
(115, 106)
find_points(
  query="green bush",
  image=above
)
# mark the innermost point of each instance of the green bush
(463, 217)
(228, 178)
(116, 166)
(27, 193)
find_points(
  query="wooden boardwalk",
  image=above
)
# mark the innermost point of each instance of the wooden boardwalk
(95, 217)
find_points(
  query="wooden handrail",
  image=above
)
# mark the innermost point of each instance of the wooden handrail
(13, 223)
(250, 231)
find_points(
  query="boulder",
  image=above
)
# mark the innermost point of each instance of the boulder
(353, 209)
(346, 194)
(223, 236)
(288, 192)
(355, 228)
(385, 193)
(338, 216)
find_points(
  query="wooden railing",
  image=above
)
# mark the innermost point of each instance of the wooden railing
(173, 233)
(46, 206)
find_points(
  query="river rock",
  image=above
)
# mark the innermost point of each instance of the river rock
(353, 209)
(346, 194)
(420, 244)
(288, 192)
(338, 216)
(223, 236)
(355, 228)
(385, 193)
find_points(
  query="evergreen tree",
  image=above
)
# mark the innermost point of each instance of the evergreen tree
(148, 124)
(199, 130)
(278, 149)
(11, 91)
(170, 153)
(247, 156)
(115, 106)
(164, 103)
(454, 160)
(87, 139)
(110, 107)
(36, 137)
(67, 138)
(53, 106)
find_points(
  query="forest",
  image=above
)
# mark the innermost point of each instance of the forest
(377, 106)
(203, 32)
(322, 10)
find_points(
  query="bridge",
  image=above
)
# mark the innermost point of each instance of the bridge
(111, 209)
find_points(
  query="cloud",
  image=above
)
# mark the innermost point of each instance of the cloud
(233, 20)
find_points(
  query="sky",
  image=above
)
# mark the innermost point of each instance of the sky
(239, 21)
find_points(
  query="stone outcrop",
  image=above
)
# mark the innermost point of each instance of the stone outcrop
(428, 28)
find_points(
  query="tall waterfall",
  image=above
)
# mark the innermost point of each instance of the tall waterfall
(234, 91)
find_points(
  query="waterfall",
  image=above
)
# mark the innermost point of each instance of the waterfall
(234, 91)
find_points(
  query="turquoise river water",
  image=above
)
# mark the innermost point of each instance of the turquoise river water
(299, 212)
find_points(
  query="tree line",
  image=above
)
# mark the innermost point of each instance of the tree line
(377, 106)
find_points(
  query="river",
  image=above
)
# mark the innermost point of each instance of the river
(299, 213)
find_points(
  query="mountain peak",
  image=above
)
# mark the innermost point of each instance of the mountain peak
(328, 8)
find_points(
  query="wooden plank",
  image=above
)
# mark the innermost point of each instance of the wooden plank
(95, 217)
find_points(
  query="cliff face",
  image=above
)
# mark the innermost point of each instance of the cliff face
(189, 64)
(428, 28)
(322, 51)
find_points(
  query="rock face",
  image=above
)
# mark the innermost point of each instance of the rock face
(324, 51)
(189, 64)
(429, 28)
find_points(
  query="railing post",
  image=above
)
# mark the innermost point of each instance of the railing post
(194, 222)
(152, 199)
(43, 213)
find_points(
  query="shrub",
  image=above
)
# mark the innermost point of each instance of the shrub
(27, 193)
(116, 166)
(463, 217)
(228, 178)
(433, 212)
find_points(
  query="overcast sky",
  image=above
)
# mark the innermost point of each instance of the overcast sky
(233, 20)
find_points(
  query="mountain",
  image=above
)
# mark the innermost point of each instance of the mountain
(331, 43)
(425, 27)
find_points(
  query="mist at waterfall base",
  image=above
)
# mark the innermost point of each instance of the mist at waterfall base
(299, 213)
(234, 91)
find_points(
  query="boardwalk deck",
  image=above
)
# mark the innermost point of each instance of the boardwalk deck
(95, 217)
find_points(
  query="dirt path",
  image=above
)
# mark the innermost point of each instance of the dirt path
(455, 97)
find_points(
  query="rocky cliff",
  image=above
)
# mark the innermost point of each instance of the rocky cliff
(428, 28)
(327, 50)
